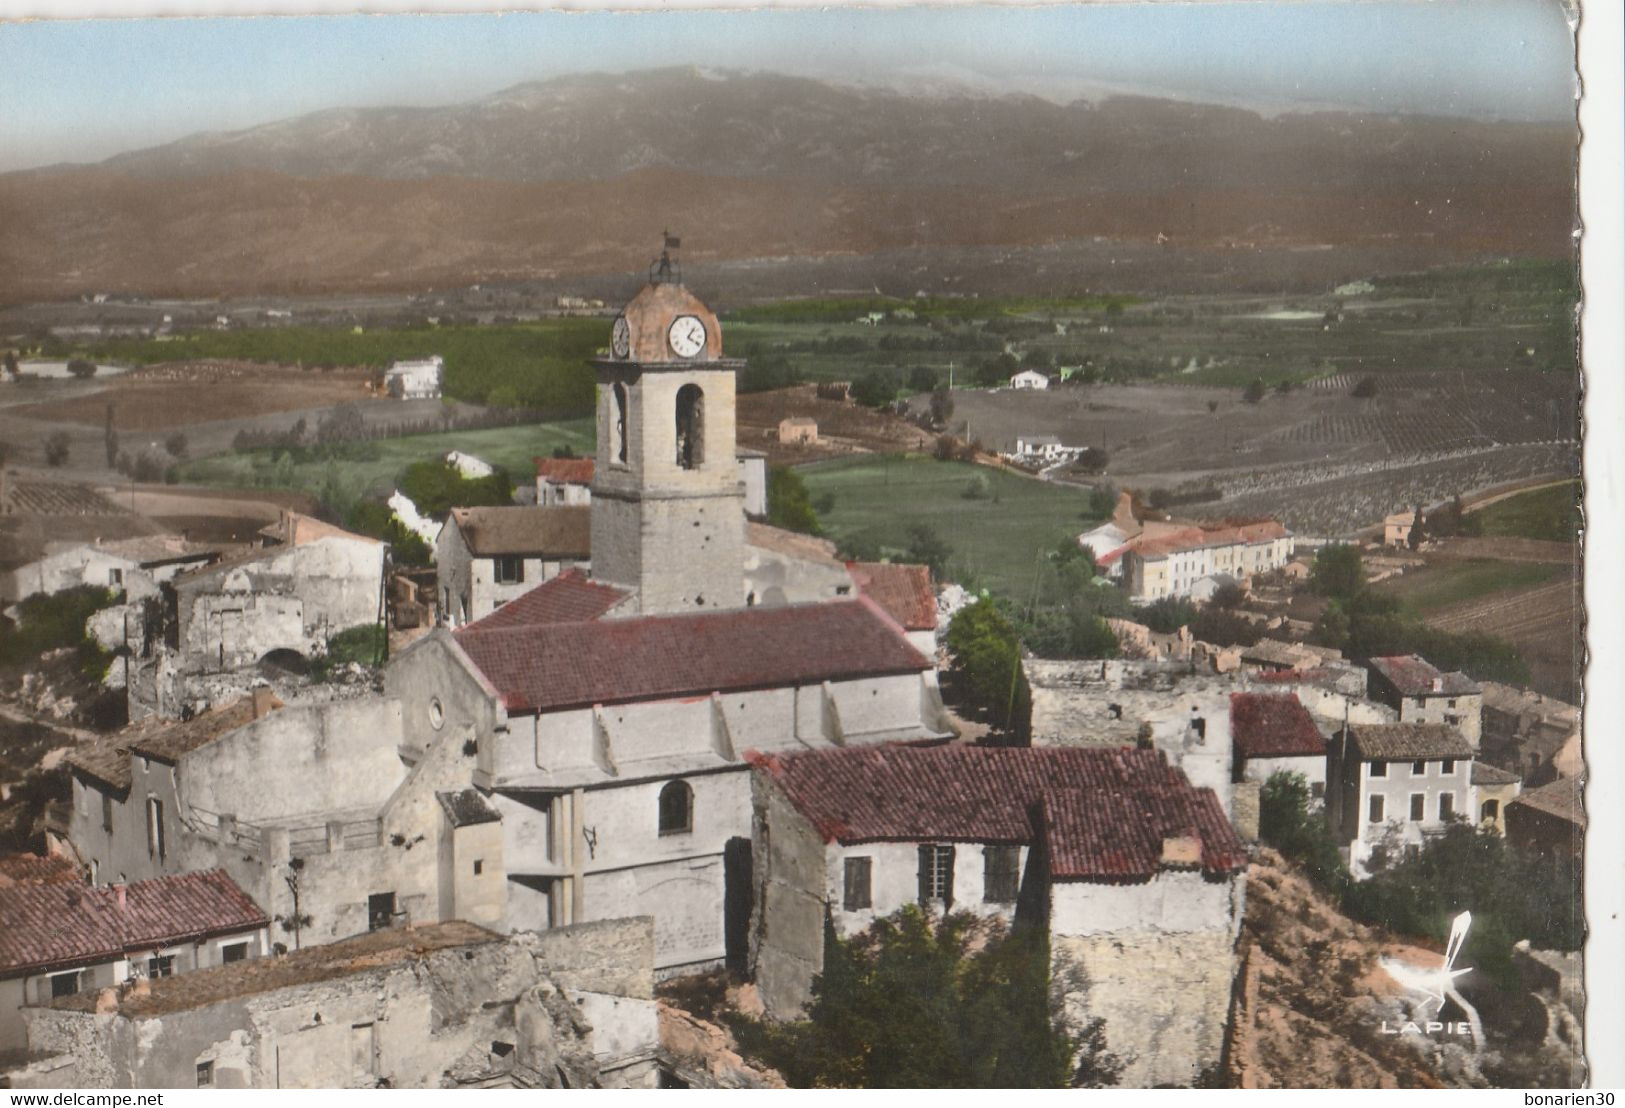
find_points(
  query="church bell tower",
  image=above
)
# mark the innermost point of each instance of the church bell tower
(668, 512)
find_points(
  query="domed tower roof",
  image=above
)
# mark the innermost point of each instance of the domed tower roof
(650, 316)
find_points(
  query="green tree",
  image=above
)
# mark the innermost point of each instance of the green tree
(1418, 530)
(81, 368)
(788, 504)
(922, 379)
(874, 389)
(110, 437)
(918, 1002)
(1169, 614)
(986, 653)
(175, 444)
(942, 405)
(369, 517)
(1255, 391)
(1337, 571)
(1286, 822)
(437, 487)
(56, 448)
(927, 548)
(1366, 388)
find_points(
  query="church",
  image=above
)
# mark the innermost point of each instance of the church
(604, 715)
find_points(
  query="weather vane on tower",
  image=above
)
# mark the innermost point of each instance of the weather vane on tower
(665, 269)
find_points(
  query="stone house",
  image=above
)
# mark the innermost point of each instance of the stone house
(484, 557)
(563, 482)
(310, 807)
(1493, 789)
(798, 430)
(1171, 562)
(133, 566)
(1135, 874)
(1528, 733)
(1274, 733)
(447, 1005)
(58, 940)
(1389, 786)
(1396, 528)
(1550, 821)
(1421, 693)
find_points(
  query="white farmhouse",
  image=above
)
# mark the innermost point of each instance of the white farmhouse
(1390, 786)
(1029, 379)
(416, 380)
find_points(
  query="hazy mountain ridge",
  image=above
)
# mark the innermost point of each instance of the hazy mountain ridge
(577, 175)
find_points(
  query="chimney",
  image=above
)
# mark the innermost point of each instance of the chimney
(264, 701)
(119, 895)
(1181, 852)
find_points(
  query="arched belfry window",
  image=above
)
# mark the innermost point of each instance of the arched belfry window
(676, 808)
(619, 415)
(690, 427)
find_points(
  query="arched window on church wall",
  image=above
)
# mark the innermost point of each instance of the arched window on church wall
(690, 427)
(676, 808)
(619, 416)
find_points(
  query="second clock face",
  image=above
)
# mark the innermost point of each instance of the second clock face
(621, 338)
(687, 336)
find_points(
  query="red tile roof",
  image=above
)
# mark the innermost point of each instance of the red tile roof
(897, 793)
(45, 927)
(565, 471)
(1273, 725)
(904, 591)
(1415, 676)
(38, 869)
(571, 597)
(1197, 537)
(1117, 835)
(572, 665)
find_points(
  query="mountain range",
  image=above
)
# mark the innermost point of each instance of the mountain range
(576, 174)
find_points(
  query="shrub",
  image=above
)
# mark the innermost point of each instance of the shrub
(47, 622)
(366, 644)
(1366, 388)
(788, 505)
(437, 487)
(176, 445)
(56, 448)
(81, 368)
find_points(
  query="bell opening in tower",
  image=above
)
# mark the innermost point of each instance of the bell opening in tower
(619, 415)
(690, 427)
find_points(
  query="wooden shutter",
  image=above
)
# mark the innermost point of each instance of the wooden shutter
(858, 877)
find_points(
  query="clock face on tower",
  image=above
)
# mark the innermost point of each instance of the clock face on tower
(620, 342)
(687, 336)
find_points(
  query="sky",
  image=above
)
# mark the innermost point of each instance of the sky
(81, 90)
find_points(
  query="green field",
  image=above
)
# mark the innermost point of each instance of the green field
(532, 365)
(997, 540)
(1443, 584)
(1552, 514)
(346, 473)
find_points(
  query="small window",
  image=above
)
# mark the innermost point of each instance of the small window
(205, 1075)
(937, 873)
(155, 828)
(1375, 812)
(857, 894)
(1419, 769)
(115, 578)
(509, 570)
(364, 1049)
(1317, 790)
(1379, 769)
(233, 952)
(479, 866)
(1001, 874)
(380, 911)
(1447, 805)
(620, 395)
(1418, 807)
(676, 808)
(1447, 767)
(161, 966)
(64, 984)
(1451, 702)
(107, 813)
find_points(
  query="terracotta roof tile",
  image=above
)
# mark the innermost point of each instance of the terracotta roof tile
(898, 793)
(1563, 798)
(38, 869)
(571, 597)
(1484, 774)
(568, 665)
(1273, 725)
(1416, 676)
(107, 760)
(50, 926)
(565, 471)
(904, 591)
(554, 532)
(1407, 742)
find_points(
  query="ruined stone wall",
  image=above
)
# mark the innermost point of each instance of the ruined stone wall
(614, 956)
(788, 902)
(1156, 961)
(776, 579)
(453, 576)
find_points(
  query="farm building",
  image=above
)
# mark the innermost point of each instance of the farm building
(1135, 873)
(1551, 820)
(1396, 528)
(1274, 733)
(1029, 379)
(1172, 562)
(486, 557)
(415, 380)
(798, 429)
